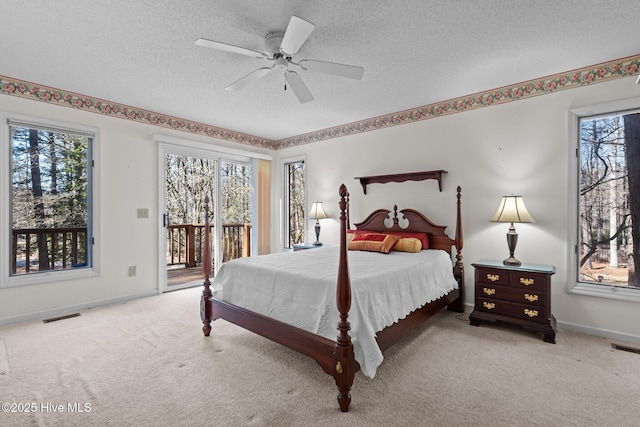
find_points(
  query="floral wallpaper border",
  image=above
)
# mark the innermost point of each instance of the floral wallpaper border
(624, 67)
(581, 77)
(23, 89)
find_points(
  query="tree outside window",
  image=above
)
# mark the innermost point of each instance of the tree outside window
(294, 209)
(50, 200)
(609, 199)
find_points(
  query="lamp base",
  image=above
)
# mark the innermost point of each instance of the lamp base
(511, 261)
(317, 242)
(512, 240)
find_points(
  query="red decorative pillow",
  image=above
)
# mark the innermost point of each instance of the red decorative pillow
(353, 232)
(423, 237)
(373, 242)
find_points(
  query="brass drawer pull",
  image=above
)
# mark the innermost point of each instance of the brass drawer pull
(489, 291)
(489, 305)
(531, 313)
(526, 282)
(531, 298)
(493, 277)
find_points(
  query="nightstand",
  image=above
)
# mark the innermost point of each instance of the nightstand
(519, 295)
(302, 247)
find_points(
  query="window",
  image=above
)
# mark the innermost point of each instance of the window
(607, 196)
(49, 188)
(294, 202)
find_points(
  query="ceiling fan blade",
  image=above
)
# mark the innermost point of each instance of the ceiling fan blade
(230, 48)
(249, 78)
(342, 70)
(296, 34)
(299, 88)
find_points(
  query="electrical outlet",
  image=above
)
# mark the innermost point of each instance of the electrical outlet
(143, 213)
(132, 271)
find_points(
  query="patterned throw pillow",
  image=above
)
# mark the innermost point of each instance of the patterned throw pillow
(373, 242)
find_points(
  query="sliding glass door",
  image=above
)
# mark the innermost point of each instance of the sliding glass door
(189, 176)
(236, 209)
(189, 180)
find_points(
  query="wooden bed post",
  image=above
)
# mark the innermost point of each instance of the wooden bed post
(458, 269)
(205, 300)
(348, 211)
(343, 358)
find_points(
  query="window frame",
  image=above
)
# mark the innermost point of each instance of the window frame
(285, 198)
(573, 200)
(6, 279)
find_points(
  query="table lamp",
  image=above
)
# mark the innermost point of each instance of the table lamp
(512, 210)
(317, 212)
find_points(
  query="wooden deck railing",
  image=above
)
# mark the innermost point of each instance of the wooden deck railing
(186, 242)
(37, 249)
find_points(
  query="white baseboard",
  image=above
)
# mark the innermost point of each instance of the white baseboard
(599, 332)
(60, 311)
(605, 333)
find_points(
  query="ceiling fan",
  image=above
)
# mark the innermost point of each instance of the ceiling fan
(280, 49)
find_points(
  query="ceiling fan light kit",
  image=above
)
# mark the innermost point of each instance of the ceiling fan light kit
(281, 48)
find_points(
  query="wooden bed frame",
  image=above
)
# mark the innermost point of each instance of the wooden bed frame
(336, 358)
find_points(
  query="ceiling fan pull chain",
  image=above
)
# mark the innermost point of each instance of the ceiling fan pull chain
(285, 81)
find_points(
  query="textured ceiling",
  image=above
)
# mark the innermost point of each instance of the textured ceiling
(415, 52)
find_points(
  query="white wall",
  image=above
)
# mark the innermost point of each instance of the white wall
(519, 147)
(516, 148)
(129, 180)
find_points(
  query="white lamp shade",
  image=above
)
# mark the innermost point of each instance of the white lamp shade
(317, 211)
(512, 209)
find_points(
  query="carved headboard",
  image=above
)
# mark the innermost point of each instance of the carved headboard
(414, 221)
(408, 220)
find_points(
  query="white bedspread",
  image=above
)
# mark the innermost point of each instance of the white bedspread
(299, 288)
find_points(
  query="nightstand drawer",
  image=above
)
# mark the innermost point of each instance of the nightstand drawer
(511, 294)
(519, 294)
(492, 276)
(513, 310)
(529, 281)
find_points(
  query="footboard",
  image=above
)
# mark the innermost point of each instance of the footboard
(337, 357)
(315, 346)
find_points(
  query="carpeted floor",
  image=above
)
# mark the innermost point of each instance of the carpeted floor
(146, 363)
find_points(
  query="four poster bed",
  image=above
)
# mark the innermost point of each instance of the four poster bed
(379, 316)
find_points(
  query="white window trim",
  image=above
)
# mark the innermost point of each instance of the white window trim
(283, 181)
(6, 280)
(573, 286)
(223, 152)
